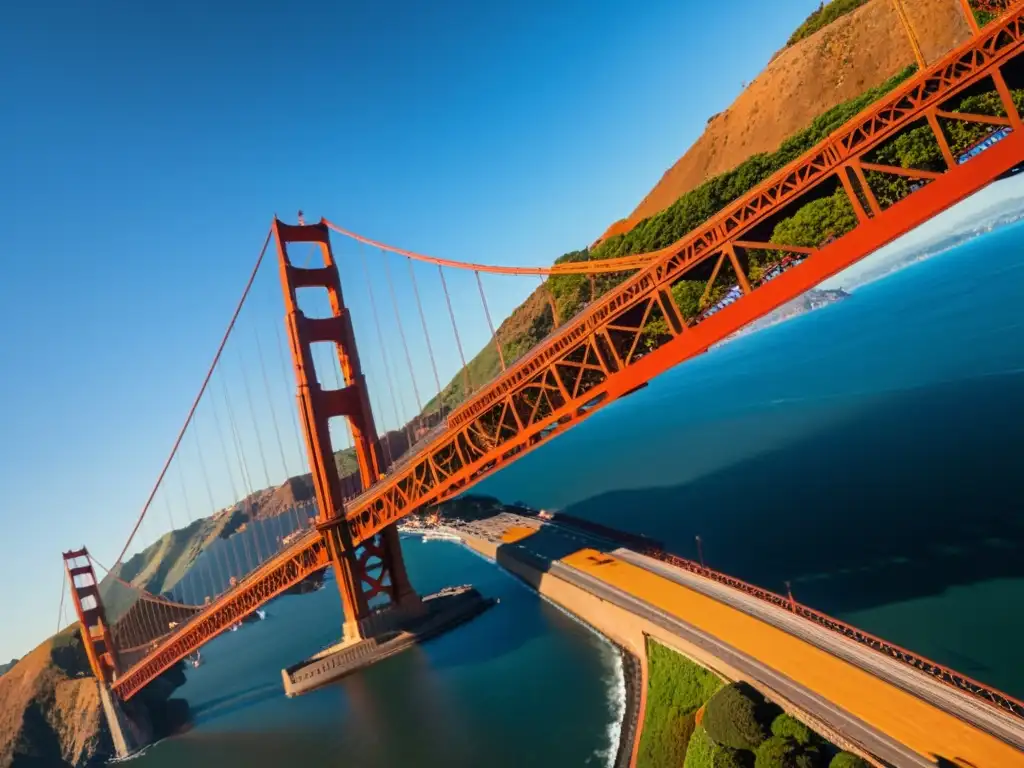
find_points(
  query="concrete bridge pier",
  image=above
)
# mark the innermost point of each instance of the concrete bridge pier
(127, 734)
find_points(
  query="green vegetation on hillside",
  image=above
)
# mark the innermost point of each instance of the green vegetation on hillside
(737, 728)
(733, 717)
(983, 16)
(533, 320)
(676, 689)
(822, 17)
(917, 147)
(161, 565)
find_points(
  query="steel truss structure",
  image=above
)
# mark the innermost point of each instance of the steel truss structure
(607, 351)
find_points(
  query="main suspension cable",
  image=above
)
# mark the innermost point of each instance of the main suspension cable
(620, 264)
(195, 403)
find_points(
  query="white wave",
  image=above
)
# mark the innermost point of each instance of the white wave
(615, 681)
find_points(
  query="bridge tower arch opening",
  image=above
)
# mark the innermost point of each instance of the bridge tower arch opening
(375, 566)
(92, 618)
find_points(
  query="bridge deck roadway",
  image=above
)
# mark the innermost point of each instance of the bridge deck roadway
(901, 715)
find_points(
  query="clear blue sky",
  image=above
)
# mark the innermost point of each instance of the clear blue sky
(144, 148)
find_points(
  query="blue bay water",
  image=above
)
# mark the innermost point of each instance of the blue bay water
(868, 453)
(494, 692)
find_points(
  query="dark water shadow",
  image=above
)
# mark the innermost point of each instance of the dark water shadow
(234, 702)
(919, 493)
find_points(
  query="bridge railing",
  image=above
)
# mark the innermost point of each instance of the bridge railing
(952, 678)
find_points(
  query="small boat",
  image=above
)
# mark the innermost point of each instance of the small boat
(441, 536)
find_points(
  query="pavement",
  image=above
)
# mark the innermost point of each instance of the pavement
(899, 714)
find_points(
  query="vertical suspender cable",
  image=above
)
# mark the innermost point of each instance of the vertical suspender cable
(260, 538)
(273, 410)
(401, 333)
(380, 341)
(487, 314)
(292, 410)
(255, 424)
(188, 510)
(426, 333)
(251, 560)
(202, 389)
(467, 384)
(63, 591)
(229, 556)
(551, 301)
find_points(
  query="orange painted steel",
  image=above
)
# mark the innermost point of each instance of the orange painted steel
(357, 574)
(933, 669)
(195, 402)
(598, 357)
(274, 577)
(92, 618)
(621, 264)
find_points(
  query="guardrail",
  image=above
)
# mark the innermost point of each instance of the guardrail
(949, 677)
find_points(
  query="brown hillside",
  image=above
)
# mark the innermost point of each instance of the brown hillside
(854, 53)
(49, 714)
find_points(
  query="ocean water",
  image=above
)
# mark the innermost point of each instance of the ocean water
(869, 453)
(495, 692)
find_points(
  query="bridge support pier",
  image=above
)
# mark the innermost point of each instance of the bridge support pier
(368, 570)
(127, 735)
(375, 567)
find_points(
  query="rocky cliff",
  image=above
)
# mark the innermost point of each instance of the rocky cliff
(855, 52)
(50, 712)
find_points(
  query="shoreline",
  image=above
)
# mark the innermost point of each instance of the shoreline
(632, 671)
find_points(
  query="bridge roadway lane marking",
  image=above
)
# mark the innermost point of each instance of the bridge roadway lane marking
(950, 699)
(907, 719)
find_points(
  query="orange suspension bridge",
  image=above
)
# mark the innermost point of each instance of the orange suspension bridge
(280, 522)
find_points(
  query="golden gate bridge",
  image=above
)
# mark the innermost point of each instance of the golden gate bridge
(340, 510)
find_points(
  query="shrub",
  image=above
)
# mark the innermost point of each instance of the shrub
(777, 752)
(848, 760)
(725, 757)
(676, 689)
(733, 717)
(822, 17)
(664, 739)
(701, 751)
(784, 726)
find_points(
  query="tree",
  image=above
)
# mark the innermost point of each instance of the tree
(848, 760)
(787, 726)
(733, 717)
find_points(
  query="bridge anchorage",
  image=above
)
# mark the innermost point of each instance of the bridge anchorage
(368, 569)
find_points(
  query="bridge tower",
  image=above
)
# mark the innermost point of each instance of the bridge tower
(376, 566)
(92, 619)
